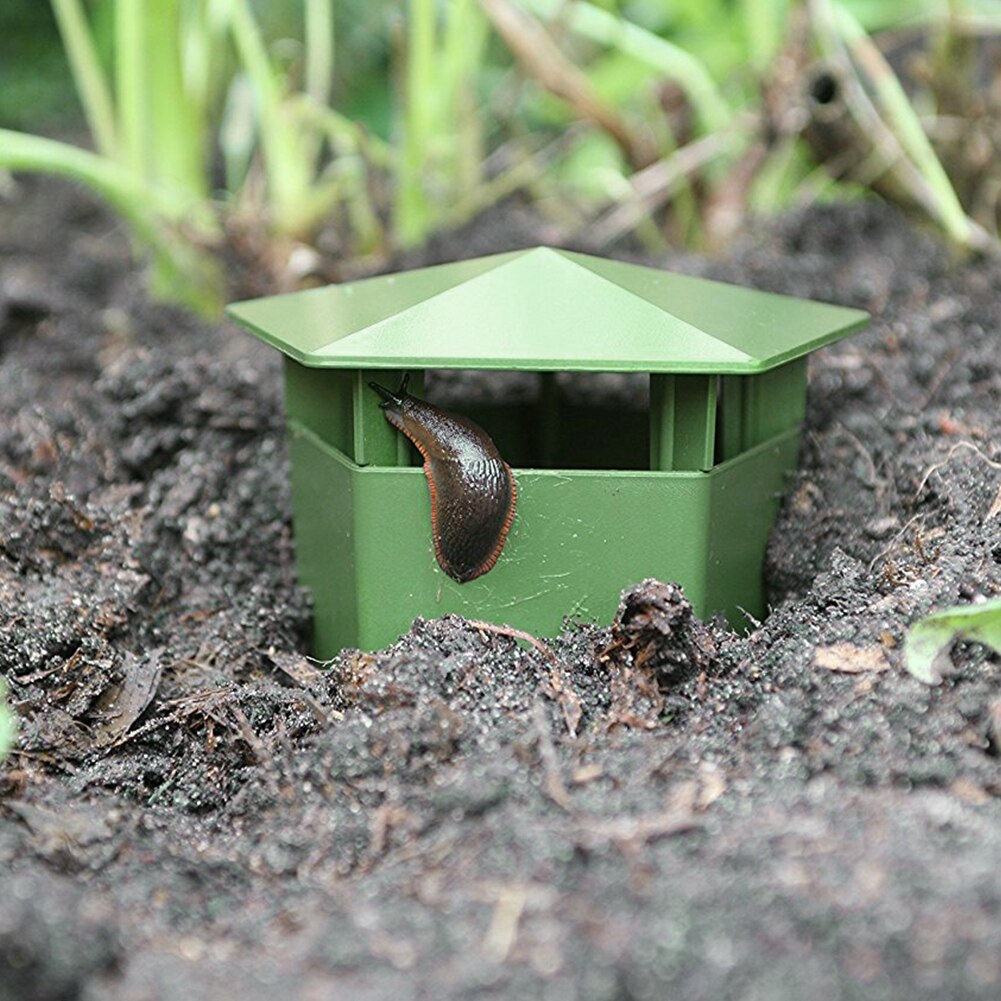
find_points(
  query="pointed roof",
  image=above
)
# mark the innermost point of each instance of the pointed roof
(544, 310)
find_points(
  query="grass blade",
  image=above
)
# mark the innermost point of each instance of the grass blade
(412, 209)
(284, 155)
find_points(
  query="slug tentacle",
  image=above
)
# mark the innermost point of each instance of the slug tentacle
(390, 398)
(473, 491)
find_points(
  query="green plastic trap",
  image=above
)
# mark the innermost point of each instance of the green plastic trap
(675, 473)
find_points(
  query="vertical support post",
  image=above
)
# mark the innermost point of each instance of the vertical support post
(731, 416)
(549, 410)
(319, 399)
(682, 421)
(375, 441)
(773, 402)
(662, 422)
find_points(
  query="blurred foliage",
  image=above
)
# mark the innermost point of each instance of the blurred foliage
(671, 122)
(36, 88)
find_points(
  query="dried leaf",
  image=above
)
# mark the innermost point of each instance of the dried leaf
(969, 791)
(847, 658)
(712, 785)
(995, 508)
(298, 669)
(994, 726)
(587, 773)
(122, 704)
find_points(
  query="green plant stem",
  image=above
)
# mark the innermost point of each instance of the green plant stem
(91, 83)
(284, 154)
(319, 41)
(412, 208)
(131, 85)
(178, 133)
(198, 42)
(465, 35)
(319, 50)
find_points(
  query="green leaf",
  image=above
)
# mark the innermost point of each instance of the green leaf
(926, 649)
(8, 724)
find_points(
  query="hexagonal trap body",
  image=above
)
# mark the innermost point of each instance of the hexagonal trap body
(675, 472)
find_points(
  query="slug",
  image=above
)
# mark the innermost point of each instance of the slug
(473, 491)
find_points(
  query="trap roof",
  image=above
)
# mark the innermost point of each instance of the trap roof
(544, 309)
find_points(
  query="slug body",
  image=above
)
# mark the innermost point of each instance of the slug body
(473, 491)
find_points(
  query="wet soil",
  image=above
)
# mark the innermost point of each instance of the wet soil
(646, 809)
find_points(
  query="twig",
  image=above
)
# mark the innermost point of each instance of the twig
(554, 787)
(542, 59)
(560, 687)
(892, 545)
(653, 186)
(517, 634)
(503, 930)
(931, 470)
(631, 833)
(262, 753)
(938, 377)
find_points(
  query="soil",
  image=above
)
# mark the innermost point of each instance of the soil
(646, 809)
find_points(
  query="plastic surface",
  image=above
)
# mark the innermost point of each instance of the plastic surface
(544, 310)
(686, 491)
(364, 546)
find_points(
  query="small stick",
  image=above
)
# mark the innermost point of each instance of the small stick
(562, 690)
(555, 789)
(931, 470)
(516, 634)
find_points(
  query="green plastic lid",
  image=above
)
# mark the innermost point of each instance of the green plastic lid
(544, 310)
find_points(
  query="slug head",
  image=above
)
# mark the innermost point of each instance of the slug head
(473, 491)
(392, 401)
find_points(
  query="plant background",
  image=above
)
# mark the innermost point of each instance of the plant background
(301, 141)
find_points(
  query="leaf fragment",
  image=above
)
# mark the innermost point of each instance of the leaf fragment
(926, 648)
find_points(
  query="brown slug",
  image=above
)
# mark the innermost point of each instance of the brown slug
(473, 491)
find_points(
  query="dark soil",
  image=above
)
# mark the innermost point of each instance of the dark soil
(662, 809)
